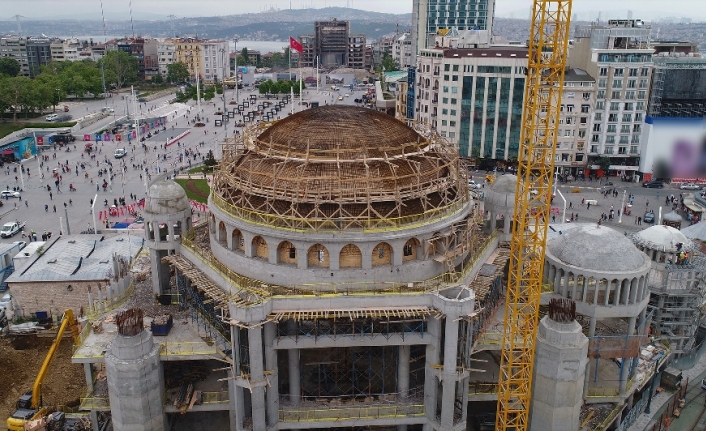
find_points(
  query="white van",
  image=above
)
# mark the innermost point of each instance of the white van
(51, 117)
(120, 153)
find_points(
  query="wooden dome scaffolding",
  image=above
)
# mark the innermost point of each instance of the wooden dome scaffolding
(339, 168)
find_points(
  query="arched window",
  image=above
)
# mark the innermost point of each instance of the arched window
(350, 257)
(382, 254)
(409, 251)
(317, 256)
(287, 253)
(260, 247)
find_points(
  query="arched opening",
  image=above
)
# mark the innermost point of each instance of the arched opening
(590, 290)
(409, 251)
(177, 228)
(259, 246)
(317, 256)
(569, 285)
(350, 257)
(213, 223)
(237, 242)
(222, 234)
(287, 253)
(382, 254)
(150, 230)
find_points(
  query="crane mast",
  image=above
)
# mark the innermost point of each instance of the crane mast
(548, 44)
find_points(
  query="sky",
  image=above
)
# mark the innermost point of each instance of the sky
(646, 9)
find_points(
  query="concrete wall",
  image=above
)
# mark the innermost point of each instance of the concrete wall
(52, 296)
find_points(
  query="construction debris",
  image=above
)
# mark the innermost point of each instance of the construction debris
(130, 322)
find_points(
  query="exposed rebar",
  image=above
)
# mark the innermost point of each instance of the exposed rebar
(130, 322)
(562, 310)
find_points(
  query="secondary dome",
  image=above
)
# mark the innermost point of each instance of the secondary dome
(337, 167)
(504, 184)
(166, 197)
(597, 248)
(662, 238)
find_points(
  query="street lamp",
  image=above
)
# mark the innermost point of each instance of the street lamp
(235, 51)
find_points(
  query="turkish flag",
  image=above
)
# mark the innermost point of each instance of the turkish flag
(293, 44)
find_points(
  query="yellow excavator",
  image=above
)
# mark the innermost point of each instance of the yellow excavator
(28, 406)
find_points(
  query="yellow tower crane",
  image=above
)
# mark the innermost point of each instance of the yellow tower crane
(548, 43)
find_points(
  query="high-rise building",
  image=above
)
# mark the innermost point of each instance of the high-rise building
(619, 57)
(38, 54)
(430, 16)
(334, 45)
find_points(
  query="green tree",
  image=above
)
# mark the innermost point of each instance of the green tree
(245, 56)
(604, 163)
(177, 72)
(14, 93)
(157, 79)
(389, 64)
(121, 67)
(210, 160)
(265, 87)
(9, 66)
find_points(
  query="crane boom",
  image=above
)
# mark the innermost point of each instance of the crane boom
(548, 43)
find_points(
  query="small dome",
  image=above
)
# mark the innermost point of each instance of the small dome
(504, 184)
(597, 248)
(673, 217)
(166, 197)
(662, 238)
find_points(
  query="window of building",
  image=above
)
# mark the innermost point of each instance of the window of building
(635, 139)
(623, 139)
(617, 83)
(594, 148)
(600, 105)
(603, 71)
(632, 83)
(611, 128)
(455, 67)
(445, 100)
(630, 95)
(445, 89)
(452, 123)
(602, 83)
(643, 83)
(567, 133)
(585, 109)
(583, 120)
(454, 89)
(582, 133)
(447, 67)
(443, 122)
(625, 128)
(628, 107)
(641, 94)
(613, 118)
(600, 94)
(586, 96)
(446, 77)
(640, 106)
(292, 253)
(444, 111)
(638, 117)
(633, 72)
(627, 118)
(598, 116)
(596, 127)
(622, 150)
(454, 101)
(569, 108)
(633, 149)
(618, 72)
(407, 250)
(645, 71)
(636, 128)
(614, 106)
(615, 95)
(610, 139)
(453, 112)
(570, 120)
(452, 134)
(608, 150)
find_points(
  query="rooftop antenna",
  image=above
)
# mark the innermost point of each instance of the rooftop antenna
(19, 26)
(172, 18)
(131, 23)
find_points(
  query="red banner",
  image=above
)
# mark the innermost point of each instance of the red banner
(40, 140)
(293, 44)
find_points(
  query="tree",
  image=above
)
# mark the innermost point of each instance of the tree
(245, 56)
(9, 66)
(157, 79)
(177, 72)
(265, 87)
(604, 163)
(14, 92)
(210, 160)
(121, 67)
(389, 64)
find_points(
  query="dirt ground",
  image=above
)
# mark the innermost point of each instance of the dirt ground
(64, 384)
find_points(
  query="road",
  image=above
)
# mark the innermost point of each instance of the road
(78, 203)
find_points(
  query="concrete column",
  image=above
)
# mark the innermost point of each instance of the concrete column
(592, 327)
(229, 238)
(272, 252)
(574, 287)
(633, 291)
(170, 232)
(237, 415)
(271, 365)
(618, 292)
(559, 376)
(257, 375)
(584, 290)
(545, 274)
(625, 292)
(135, 383)
(626, 361)
(403, 377)
(431, 383)
(88, 370)
(302, 258)
(294, 369)
(506, 223)
(607, 292)
(565, 286)
(557, 281)
(448, 396)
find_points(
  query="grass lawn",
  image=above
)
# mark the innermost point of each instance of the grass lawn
(196, 189)
(199, 169)
(9, 127)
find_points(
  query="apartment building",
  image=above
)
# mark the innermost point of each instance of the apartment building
(430, 16)
(166, 55)
(402, 50)
(215, 60)
(472, 92)
(38, 54)
(576, 110)
(188, 51)
(16, 47)
(619, 57)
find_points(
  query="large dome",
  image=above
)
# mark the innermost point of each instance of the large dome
(337, 167)
(662, 238)
(597, 248)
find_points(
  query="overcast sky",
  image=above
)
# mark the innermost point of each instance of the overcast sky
(648, 9)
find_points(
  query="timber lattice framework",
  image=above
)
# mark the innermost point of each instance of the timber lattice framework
(340, 168)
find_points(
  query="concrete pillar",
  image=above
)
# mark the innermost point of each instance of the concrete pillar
(170, 232)
(560, 364)
(545, 274)
(237, 415)
(88, 371)
(574, 287)
(625, 365)
(506, 223)
(160, 271)
(135, 383)
(257, 375)
(557, 281)
(302, 258)
(633, 291)
(294, 369)
(625, 291)
(271, 365)
(584, 290)
(431, 383)
(403, 377)
(448, 396)
(565, 286)
(607, 292)
(272, 252)
(618, 292)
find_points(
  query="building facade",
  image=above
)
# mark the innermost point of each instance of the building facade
(402, 50)
(215, 60)
(334, 45)
(577, 102)
(473, 97)
(165, 55)
(16, 48)
(38, 54)
(619, 57)
(188, 51)
(430, 16)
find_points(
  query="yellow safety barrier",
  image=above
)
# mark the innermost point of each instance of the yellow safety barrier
(220, 397)
(100, 307)
(344, 413)
(603, 392)
(482, 388)
(299, 224)
(95, 403)
(185, 348)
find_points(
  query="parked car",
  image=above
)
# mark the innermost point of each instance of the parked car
(9, 194)
(120, 153)
(649, 217)
(472, 184)
(690, 186)
(51, 117)
(654, 184)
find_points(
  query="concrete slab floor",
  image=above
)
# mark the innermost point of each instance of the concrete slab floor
(608, 375)
(185, 341)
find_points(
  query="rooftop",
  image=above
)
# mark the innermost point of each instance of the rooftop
(662, 238)
(577, 75)
(77, 257)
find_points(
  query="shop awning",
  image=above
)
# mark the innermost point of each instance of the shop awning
(694, 207)
(7, 152)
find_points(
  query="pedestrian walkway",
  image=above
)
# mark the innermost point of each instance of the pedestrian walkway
(644, 421)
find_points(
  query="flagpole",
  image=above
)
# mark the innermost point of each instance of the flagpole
(300, 82)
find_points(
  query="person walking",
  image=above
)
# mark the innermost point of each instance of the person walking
(54, 208)
(26, 204)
